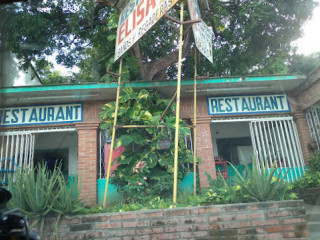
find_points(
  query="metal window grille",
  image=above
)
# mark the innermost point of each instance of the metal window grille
(276, 142)
(103, 139)
(313, 119)
(17, 150)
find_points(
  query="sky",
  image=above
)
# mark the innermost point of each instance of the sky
(310, 42)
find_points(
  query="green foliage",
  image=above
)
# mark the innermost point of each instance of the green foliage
(308, 180)
(253, 186)
(68, 202)
(251, 37)
(152, 203)
(314, 162)
(37, 192)
(311, 177)
(145, 169)
(300, 64)
(222, 192)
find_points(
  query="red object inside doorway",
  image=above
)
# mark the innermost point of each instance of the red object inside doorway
(116, 153)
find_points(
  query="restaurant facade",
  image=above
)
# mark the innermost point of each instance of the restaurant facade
(272, 119)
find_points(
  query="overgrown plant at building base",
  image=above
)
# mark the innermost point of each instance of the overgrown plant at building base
(253, 185)
(311, 177)
(145, 170)
(38, 192)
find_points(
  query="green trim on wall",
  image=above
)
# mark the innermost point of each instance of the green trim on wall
(148, 84)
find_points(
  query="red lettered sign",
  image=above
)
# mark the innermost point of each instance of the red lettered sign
(136, 19)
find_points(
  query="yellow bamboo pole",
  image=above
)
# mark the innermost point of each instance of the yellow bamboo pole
(169, 105)
(139, 126)
(195, 125)
(176, 140)
(113, 136)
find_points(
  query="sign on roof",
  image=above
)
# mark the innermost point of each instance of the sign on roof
(136, 19)
(41, 114)
(202, 33)
(248, 104)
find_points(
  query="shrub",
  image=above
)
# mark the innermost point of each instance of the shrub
(253, 186)
(311, 177)
(314, 162)
(146, 169)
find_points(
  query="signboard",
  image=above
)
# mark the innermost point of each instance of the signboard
(41, 114)
(248, 104)
(136, 19)
(202, 33)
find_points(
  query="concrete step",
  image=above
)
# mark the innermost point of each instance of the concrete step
(313, 215)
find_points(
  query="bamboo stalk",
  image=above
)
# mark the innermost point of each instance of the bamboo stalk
(195, 125)
(176, 143)
(170, 103)
(113, 136)
(138, 126)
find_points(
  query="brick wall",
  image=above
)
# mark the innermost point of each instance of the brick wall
(304, 135)
(204, 139)
(87, 161)
(268, 220)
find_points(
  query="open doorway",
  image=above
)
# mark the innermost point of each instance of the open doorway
(232, 143)
(268, 141)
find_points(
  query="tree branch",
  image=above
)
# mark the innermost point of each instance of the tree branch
(160, 65)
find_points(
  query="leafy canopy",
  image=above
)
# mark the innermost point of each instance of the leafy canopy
(250, 37)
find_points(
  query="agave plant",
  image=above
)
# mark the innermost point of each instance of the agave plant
(262, 184)
(34, 191)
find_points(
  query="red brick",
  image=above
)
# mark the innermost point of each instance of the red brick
(124, 216)
(136, 224)
(279, 214)
(70, 221)
(249, 216)
(280, 228)
(151, 215)
(236, 225)
(206, 210)
(223, 218)
(165, 236)
(184, 235)
(100, 225)
(149, 231)
(293, 220)
(265, 222)
(177, 212)
(193, 220)
(178, 228)
(289, 235)
(207, 227)
(270, 236)
(145, 237)
(118, 233)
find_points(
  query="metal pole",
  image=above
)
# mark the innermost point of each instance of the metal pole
(176, 143)
(113, 136)
(195, 125)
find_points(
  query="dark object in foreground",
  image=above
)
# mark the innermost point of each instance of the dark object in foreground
(13, 220)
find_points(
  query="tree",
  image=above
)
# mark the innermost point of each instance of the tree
(300, 64)
(250, 37)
